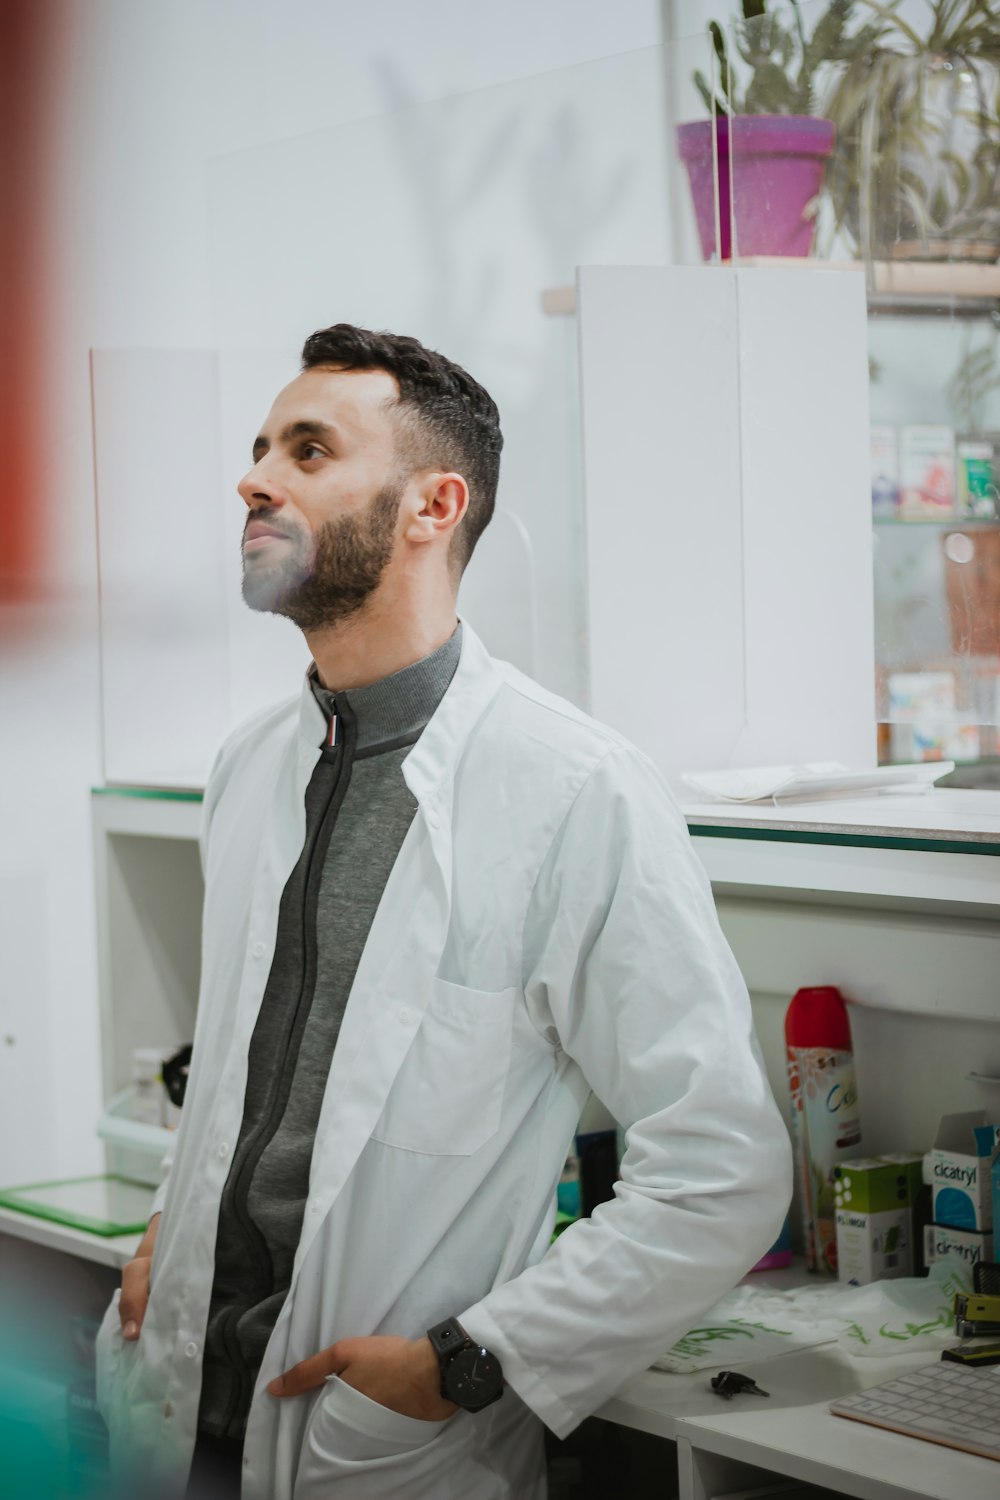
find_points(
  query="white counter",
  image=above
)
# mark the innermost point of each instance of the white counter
(938, 816)
(104, 1250)
(792, 1433)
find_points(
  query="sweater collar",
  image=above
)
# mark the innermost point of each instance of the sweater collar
(476, 681)
(396, 707)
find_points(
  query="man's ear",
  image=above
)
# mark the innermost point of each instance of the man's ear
(443, 501)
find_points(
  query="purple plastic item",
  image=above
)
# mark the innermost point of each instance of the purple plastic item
(780, 1253)
(770, 167)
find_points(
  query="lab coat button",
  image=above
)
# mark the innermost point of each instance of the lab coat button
(191, 1349)
(403, 1016)
(223, 1148)
(257, 950)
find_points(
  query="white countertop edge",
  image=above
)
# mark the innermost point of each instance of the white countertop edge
(112, 1250)
(947, 814)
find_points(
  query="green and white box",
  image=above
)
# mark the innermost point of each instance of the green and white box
(960, 1248)
(874, 1207)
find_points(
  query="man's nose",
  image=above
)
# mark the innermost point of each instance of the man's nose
(257, 486)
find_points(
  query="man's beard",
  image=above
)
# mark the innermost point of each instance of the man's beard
(328, 576)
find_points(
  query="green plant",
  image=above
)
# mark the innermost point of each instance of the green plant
(917, 164)
(783, 62)
(975, 380)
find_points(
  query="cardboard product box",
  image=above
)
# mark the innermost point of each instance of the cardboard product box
(874, 1199)
(884, 471)
(908, 1165)
(960, 1168)
(960, 1248)
(978, 465)
(927, 471)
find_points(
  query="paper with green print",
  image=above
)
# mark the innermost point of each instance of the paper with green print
(758, 1321)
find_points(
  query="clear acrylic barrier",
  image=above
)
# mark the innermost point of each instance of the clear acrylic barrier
(775, 72)
(182, 658)
(855, 143)
(164, 660)
(447, 220)
(696, 189)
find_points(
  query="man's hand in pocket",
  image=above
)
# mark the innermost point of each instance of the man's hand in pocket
(135, 1283)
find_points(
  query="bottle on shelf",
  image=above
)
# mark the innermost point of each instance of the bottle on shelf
(826, 1127)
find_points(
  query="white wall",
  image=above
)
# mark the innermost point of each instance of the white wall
(190, 209)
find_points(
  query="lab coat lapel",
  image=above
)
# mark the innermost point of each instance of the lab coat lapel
(395, 977)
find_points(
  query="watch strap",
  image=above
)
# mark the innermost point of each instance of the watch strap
(447, 1338)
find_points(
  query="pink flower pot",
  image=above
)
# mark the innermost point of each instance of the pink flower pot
(770, 168)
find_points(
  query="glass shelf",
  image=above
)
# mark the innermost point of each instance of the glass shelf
(148, 793)
(949, 523)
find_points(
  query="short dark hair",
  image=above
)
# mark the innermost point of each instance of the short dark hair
(447, 419)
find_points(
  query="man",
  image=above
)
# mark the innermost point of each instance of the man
(441, 906)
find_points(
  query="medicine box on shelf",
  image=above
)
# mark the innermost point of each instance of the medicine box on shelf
(960, 1168)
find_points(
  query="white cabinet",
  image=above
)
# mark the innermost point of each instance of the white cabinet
(727, 513)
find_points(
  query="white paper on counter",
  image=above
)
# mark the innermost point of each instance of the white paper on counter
(811, 781)
(884, 1318)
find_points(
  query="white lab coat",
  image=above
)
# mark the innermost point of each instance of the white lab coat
(546, 929)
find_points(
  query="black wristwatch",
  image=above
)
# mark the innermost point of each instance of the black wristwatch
(470, 1375)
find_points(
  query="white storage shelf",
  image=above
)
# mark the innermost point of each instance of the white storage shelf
(808, 878)
(149, 899)
(723, 1446)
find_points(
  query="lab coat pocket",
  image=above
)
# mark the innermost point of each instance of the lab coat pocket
(109, 1350)
(447, 1097)
(356, 1440)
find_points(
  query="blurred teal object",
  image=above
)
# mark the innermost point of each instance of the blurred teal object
(33, 1435)
(568, 1199)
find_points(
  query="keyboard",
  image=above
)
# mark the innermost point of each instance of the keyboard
(943, 1403)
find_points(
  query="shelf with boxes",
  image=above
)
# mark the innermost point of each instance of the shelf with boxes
(934, 397)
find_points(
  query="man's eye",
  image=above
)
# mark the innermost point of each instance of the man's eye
(310, 450)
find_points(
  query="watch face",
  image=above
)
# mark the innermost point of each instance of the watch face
(472, 1378)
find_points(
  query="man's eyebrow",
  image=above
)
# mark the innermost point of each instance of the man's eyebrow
(300, 429)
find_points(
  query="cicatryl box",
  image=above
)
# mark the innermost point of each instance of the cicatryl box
(874, 1199)
(961, 1248)
(960, 1171)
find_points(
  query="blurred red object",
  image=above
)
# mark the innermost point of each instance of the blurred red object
(26, 35)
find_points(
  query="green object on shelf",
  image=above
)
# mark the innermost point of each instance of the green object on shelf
(563, 1221)
(151, 793)
(105, 1204)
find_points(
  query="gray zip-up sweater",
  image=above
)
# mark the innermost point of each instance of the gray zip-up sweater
(358, 810)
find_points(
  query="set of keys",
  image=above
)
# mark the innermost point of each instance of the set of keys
(730, 1383)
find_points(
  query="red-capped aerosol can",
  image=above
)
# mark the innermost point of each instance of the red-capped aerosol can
(826, 1126)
